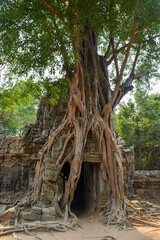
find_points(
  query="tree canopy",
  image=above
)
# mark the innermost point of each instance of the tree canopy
(36, 36)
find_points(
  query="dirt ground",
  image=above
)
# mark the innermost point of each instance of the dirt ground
(90, 229)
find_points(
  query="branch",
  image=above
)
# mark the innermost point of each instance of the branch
(140, 75)
(127, 86)
(108, 49)
(125, 46)
(116, 90)
(54, 11)
(137, 35)
(147, 40)
(115, 57)
(117, 51)
(132, 77)
(107, 63)
(63, 50)
(81, 82)
(123, 67)
(135, 60)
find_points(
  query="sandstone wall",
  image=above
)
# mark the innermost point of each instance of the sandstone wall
(127, 154)
(19, 155)
(147, 184)
(16, 167)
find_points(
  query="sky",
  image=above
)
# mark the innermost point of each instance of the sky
(155, 89)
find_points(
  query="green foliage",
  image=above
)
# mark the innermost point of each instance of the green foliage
(18, 106)
(58, 89)
(19, 103)
(138, 124)
(32, 36)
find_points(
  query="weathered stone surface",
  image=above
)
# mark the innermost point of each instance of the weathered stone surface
(49, 211)
(48, 218)
(18, 155)
(30, 216)
(3, 208)
(147, 184)
(17, 177)
(37, 210)
(23, 202)
(128, 167)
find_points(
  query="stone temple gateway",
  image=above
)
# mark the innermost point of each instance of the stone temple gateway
(19, 156)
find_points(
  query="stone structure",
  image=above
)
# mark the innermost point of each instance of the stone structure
(38, 213)
(16, 167)
(127, 154)
(19, 155)
(147, 184)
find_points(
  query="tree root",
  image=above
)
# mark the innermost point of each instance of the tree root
(116, 219)
(141, 216)
(75, 219)
(142, 222)
(55, 226)
(46, 181)
(133, 215)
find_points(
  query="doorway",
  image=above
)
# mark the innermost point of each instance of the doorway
(86, 197)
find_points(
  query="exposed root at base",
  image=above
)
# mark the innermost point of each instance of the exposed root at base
(140, 215)
(29, 227)
(132, 215)
(117, 219)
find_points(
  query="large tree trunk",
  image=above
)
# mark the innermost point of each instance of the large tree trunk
(89, 93)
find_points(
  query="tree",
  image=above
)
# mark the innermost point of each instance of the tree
(18, 106)
(19, 102)
(98, 44)
(138, 124)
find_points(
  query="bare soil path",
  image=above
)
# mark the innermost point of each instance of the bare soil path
(92, 229)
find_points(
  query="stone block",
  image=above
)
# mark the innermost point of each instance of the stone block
(23, 202)
(37, 210)
(50, 166)
(52, 211)
(31, 216)
(49, 211)
(51, 175)
(48, 218)
(50, 160)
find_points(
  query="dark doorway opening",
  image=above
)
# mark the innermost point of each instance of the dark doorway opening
(63, 177)
(78, 203)
(86, 197)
